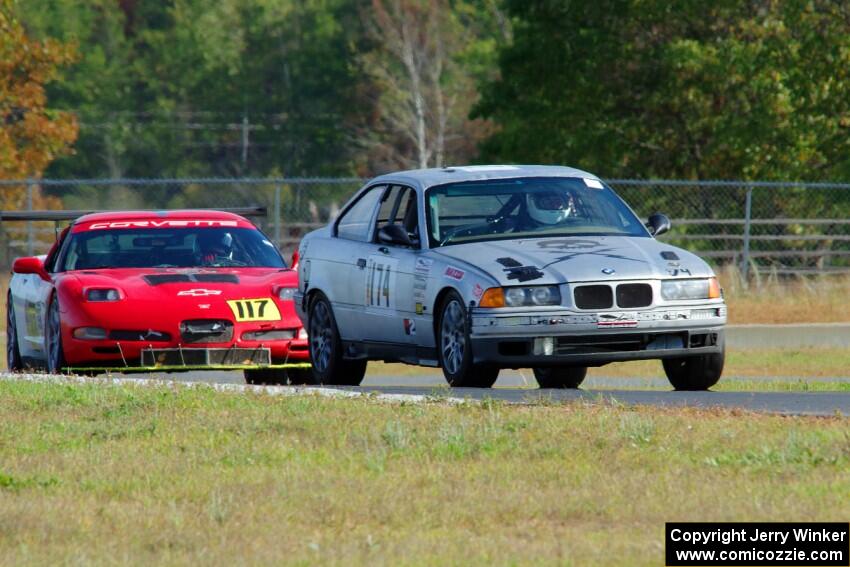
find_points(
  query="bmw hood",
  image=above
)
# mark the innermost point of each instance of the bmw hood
(576, 259)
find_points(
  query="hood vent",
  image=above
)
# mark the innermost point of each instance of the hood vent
(157, 279)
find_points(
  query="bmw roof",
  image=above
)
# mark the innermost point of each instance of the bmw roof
(426, 178)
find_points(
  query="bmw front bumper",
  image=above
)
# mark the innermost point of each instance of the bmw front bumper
(557, 338)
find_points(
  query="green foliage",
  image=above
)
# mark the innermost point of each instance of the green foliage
(163, 89)
(730, 89)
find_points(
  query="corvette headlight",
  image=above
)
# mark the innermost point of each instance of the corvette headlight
(103, 294)
(535, 295)
(286, 293)
(677, 290)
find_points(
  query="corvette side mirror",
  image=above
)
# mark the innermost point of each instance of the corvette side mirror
(394, 234)
(658, 224)
(30, 265)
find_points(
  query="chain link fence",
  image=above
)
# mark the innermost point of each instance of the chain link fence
(762, 227)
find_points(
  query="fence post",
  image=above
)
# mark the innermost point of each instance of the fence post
(276, 213)
(748, 214)
(30, 231)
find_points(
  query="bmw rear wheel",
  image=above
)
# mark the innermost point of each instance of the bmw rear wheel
(560, 376)
(326, 356)
(55, 352)
(691, 373)
(455, 348)
(13, 353)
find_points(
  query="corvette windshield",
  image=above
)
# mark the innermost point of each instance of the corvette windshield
(169, 248)
(527, 208)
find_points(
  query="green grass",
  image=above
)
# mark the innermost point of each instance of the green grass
(94, 474)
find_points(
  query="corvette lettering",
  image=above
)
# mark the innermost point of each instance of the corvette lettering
(163, 224)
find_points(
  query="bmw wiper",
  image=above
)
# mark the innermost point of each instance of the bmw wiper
(454, 232)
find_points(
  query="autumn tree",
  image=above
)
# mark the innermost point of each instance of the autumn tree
(31, 134)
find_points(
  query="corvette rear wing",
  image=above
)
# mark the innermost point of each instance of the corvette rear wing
(58, 216)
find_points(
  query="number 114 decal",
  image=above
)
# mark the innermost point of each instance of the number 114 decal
(380, 282)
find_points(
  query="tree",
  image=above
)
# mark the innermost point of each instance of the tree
(755, 89)
(422, 60)
(207, 87)
(32, 135)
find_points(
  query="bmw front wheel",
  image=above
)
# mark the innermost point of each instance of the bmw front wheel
(326, 356)
(560, 376)
(694, 372)
(455, 348)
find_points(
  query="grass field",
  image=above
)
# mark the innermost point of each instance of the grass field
(94, 475)
(770, 300)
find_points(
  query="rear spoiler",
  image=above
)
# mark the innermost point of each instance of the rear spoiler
(57, 216)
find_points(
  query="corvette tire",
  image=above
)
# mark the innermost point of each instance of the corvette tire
(691, 373)
(569, 377)
(55, 351)
(454, 348)
(265, 377)
(13, 352)
(326, 356)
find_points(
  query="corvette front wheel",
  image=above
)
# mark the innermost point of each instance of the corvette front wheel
(13, 353)
(55, 351)
(278, 376)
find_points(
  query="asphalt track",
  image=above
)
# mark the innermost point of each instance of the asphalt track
(516, 387)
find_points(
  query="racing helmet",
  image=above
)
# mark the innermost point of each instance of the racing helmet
(213, 244)
(551, 206)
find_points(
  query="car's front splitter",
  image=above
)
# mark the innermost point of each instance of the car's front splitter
(596, 349)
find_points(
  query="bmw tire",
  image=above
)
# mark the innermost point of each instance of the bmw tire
(454, 348)
(692, 373)
(326, 355)
(569, 377)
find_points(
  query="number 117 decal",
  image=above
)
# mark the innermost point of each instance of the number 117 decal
(380, 282)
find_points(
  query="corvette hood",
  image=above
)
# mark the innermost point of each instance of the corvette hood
(173, 284)
(575, 259)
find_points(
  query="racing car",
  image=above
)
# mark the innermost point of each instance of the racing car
(165, 291)
(475, 269)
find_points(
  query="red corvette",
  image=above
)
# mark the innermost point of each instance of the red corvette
(176, 290)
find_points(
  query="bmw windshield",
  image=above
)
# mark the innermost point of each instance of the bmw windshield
(531, 207)
(169, 248)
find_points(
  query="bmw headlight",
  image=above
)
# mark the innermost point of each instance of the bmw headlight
(679, 290)
(103, 294)
(534, 295)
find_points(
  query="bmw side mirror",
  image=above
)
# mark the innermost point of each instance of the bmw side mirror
(658, 224)
(394, 234)
(30, 265)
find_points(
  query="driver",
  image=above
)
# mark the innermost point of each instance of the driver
(214, 246)
(550, 207)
